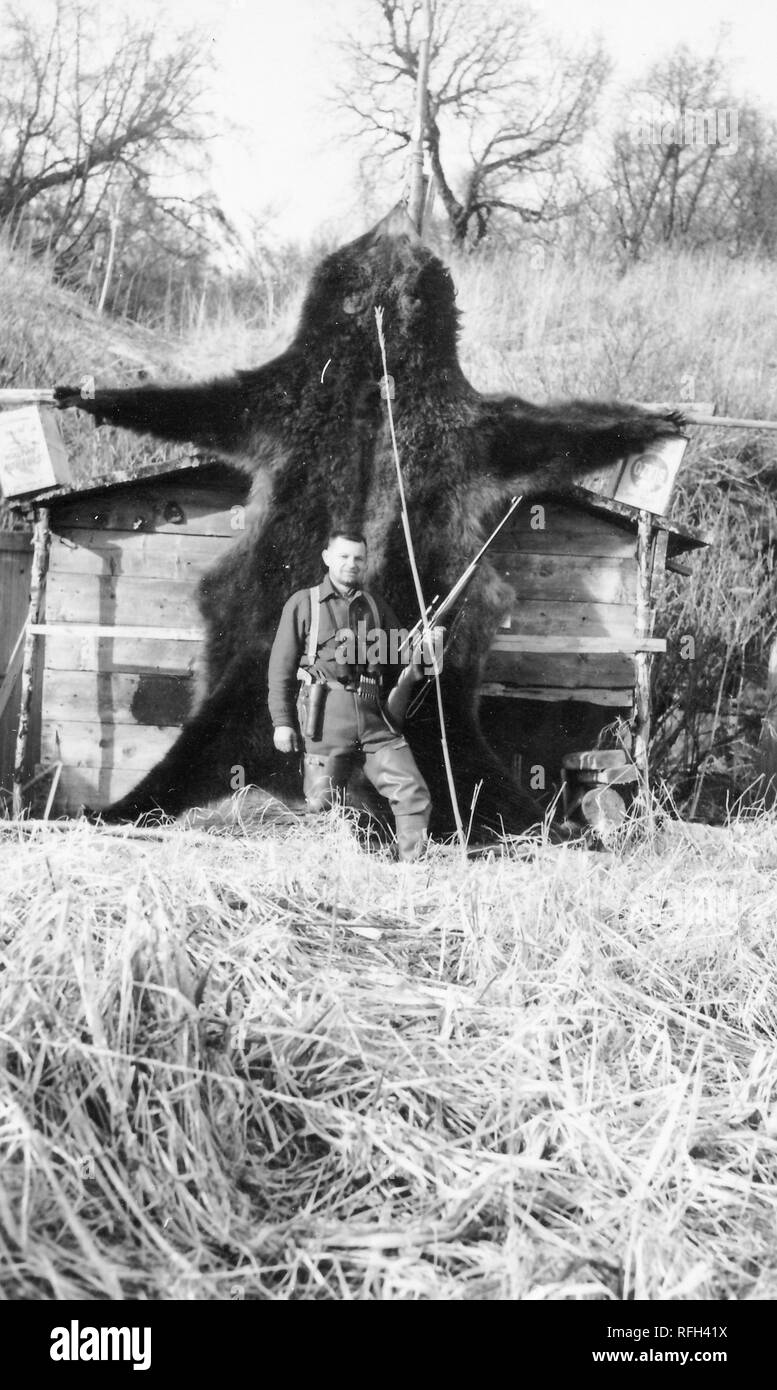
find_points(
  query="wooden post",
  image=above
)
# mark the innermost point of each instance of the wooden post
(14, 395)
(728, 422)
(416, 199)
(113, 218)
(40, 556)
(641, 728)
(767, 743)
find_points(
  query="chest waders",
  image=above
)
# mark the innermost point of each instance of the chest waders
(344, 726)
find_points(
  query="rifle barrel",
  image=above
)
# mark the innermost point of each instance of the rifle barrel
(417, 626)
(432, 617)
(450, 598)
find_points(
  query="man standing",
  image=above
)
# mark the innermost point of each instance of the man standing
(340, 710)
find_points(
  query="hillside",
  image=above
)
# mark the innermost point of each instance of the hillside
(50, 336)
(676, 327)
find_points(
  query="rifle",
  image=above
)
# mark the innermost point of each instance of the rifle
(432, 618)
(405, 690)
(433, 615)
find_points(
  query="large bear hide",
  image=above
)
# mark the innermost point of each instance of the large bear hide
(311, 428)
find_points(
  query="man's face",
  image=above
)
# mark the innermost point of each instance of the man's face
(346, 562)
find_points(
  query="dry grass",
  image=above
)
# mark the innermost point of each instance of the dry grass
(675, 327)
(278, 1068)
(708, 709)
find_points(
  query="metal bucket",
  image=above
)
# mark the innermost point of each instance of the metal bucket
(597, 788)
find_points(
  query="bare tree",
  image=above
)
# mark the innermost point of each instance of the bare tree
(505, 106)
(93, 135)
(751, 184)
(671, 164)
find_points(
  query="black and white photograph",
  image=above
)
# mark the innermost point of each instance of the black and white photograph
(388, 664)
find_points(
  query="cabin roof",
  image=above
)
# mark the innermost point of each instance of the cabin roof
(680, 538)
(216, 472)
(211, 472)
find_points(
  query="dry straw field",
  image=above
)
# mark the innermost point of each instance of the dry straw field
(272, 1066)
(266, 1064)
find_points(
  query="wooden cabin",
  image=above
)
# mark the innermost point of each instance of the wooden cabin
(573, 654)
(118, 632)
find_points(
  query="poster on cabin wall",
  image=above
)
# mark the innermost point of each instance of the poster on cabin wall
(33, 456)
(648, 479)
(643, 480)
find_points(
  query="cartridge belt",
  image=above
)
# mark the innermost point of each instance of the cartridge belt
(353, 686)
(304, 676)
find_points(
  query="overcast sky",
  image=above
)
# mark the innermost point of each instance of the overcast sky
(276, 65)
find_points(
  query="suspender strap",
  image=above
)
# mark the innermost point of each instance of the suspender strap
(311, 650)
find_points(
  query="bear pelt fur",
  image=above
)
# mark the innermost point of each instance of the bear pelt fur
(311, 428)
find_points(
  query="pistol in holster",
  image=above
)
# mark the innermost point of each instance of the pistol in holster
(310, 706)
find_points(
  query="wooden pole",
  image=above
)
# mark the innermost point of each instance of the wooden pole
(767, 744)
(40, 555)
(114, 223)
(45, 395)
(26, 396)
(642, 659)
(416, 199)
(729, 422)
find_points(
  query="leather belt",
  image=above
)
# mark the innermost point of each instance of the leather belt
(350, 685)
(342, 685)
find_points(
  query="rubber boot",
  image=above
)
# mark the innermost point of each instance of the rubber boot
(412, 837)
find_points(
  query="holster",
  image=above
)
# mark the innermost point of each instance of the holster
(310, 709)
